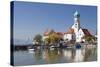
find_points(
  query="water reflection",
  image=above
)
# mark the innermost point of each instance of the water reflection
(57, 55)
(65, 55)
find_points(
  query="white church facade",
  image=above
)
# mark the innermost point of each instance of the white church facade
(76, 32)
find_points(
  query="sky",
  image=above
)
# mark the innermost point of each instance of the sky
(31, 18)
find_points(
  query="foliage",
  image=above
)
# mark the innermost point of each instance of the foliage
(89, 39)
(53, 38)
(47, 40)
(38, 38)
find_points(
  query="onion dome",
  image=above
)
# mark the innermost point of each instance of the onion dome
(76, 14)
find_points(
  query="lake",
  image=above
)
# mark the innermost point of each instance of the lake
(58, 55)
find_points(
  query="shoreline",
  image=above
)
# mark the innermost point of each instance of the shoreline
(26, 47)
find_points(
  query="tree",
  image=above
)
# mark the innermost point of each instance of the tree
(38, 39)
(52, 38)
(47, 40)
(89, 39)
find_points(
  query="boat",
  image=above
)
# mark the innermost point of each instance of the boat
(52, 48)
(31, 49)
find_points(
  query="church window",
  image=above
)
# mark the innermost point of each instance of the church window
(75, 25)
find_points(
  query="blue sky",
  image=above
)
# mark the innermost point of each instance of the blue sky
(34, 18)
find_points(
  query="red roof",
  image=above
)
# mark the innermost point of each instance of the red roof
(70, 31)
(46, 33)
(59, 33)
(86, 32)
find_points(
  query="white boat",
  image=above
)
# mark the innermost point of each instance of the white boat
(31, 49)
(52, 48)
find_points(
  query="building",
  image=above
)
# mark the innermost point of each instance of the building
(50, 31)
(69, 35)
(76, 32)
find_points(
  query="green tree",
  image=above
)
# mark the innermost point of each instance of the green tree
(54, 38)
(89, 39)
(38, 38)
(47, 40)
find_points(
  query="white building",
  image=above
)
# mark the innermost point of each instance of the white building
(69, 35)
(76, 32)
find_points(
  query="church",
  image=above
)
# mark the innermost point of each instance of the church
(76, 32)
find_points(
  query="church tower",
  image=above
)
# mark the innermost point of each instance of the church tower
(76, 25)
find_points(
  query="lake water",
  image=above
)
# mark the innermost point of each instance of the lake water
(47, 56)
